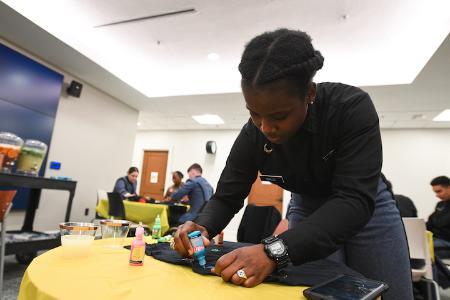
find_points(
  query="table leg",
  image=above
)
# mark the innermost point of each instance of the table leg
(33, 203)
(69, 206)
(2, 255)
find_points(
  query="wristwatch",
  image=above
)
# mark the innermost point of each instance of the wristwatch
(277, 251)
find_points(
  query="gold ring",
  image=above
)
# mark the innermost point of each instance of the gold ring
(172, 245)
(240, 273)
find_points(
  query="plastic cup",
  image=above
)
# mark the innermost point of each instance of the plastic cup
(77, 237)
(114, 232)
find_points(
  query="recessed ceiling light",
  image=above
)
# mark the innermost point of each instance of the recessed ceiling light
(138, 123)
(213, 56)
(443, 116)
(207, 119)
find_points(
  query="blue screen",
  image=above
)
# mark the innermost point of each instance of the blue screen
(55, 165)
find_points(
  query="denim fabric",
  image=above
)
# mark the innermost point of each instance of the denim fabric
(379, 251)
(441, 248)
(440, 243)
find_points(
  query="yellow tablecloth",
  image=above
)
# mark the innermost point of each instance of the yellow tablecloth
(105, 274)
(139, 212)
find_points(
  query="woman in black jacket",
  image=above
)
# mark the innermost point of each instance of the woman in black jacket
(321, 142)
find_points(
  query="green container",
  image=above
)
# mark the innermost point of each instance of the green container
(31, 157)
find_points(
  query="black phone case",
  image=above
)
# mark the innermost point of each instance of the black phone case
(312, 295)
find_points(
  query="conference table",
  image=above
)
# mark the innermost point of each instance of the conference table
(105, 274)
(139, 212)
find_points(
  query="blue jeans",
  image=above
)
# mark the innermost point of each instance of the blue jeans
(379, 251)
(441, 248)
(439, 243)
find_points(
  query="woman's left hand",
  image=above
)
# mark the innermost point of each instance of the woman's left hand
(252, 260)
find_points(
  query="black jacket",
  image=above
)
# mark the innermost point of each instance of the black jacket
(439, 221)
(336, 155)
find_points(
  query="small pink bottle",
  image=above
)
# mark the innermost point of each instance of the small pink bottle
(138, 248)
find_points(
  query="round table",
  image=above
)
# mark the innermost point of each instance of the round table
(105, 274)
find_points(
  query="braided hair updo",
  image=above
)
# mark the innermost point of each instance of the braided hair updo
(280, 54)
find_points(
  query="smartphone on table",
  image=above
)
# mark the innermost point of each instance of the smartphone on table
(346, 287)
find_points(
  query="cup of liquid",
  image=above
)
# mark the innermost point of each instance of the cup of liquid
(77, 237)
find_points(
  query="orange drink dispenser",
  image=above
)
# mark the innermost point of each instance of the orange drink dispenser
(10, 145)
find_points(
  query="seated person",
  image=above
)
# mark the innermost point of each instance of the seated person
(177, 178)
(404, 204)
(439, 220)
(126, 185)
(197, 189)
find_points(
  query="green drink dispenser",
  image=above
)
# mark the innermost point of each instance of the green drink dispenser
(31, 157)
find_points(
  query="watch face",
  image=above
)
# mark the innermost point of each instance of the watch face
(277, 248)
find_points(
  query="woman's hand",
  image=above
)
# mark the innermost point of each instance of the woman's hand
(252, 260)
(181, 240)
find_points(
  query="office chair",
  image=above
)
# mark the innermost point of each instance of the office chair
(175, 212)
(116, 207)
(419, 251)
(117, 210)
(258, 222)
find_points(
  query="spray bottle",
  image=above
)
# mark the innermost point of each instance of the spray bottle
(156, 229)
(196, 240)
(138, 248)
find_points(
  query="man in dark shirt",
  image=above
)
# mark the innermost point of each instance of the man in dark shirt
(198, 190)
(439, 220)
(321, 142)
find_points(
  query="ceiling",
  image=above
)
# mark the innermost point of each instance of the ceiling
(160, 66)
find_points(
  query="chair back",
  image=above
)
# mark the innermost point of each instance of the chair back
(101, 195)
(257, 223)
(6, 198)
(116, 207)
(418, 243)
(175, 212)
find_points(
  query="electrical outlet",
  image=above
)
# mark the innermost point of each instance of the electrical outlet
(86, 211)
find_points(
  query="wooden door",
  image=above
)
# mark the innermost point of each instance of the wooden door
(154, 174)
(266, 194)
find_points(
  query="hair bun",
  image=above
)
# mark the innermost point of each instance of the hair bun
(309, 66)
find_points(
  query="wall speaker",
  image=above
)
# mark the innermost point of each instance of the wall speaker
(74, 89)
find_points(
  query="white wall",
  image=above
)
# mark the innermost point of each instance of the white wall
(411, 159)
(93, 138)
(186, 148)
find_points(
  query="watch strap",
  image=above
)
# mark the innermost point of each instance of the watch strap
(281, 261)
